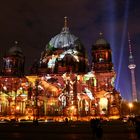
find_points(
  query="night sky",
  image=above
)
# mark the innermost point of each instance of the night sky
(34, 22)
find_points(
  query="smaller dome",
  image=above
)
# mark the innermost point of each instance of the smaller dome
(15, 50)
(101, 40)
(101, 43)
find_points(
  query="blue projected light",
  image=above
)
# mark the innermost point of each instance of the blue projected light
(112, 22)
(117, 84)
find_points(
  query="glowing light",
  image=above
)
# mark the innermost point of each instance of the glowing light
(130, 105)
(78, 77)
(17, 107)
(72, 107)
(103, 104)
(5, 88)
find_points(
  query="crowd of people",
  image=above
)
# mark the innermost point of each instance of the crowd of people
(97, 129)
(135, 121)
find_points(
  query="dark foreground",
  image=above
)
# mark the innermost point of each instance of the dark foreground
(114, 130)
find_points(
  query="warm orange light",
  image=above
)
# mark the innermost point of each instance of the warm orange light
(5, 88)
(17, 107)
(130, 105)
(72, 107)
(103, 102)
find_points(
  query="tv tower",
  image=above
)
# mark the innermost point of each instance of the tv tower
(132, 67)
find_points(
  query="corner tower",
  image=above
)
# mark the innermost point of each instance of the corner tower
(104, 89)
(101, 52)
(102, 64)
(13, 62)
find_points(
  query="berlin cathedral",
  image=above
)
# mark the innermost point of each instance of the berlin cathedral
(62, 82)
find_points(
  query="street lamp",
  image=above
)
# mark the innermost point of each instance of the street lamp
(130, 108)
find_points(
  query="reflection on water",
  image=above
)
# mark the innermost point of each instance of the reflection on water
(63, 136)
(132, 136)
(58, 131)
(46, 136)
(16, 135)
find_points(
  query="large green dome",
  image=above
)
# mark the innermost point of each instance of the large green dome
(65, 41)
(65, 53)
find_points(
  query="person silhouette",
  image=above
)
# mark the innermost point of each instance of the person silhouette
(66, 121)
(96, 127)
(137, 128)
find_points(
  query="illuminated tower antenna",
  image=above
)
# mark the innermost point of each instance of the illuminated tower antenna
(132, 67)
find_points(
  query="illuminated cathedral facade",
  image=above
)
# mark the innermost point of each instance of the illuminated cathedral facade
(61, 83)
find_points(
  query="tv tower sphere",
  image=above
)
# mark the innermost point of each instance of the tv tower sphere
(132, 67)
